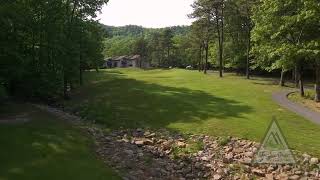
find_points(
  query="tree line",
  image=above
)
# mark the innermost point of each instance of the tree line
(241, 35)
(45, 46)
(267, 34)
(163, 47)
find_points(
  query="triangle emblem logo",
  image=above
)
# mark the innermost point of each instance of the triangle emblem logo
(274, 148)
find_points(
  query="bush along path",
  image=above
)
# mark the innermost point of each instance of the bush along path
(281, 97)
(160, 154)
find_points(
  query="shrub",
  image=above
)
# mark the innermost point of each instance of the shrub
(222, 141)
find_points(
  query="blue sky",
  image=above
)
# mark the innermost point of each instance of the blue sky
(147, 13)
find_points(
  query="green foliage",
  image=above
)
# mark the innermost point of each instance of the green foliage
(129, 30)
(141, 47)
(185, 52)
(159, 46)
(136, 31)
(284, 32)
(309, 95)
(44, 45)
(192, 147)
(118, 46)
(222, 141)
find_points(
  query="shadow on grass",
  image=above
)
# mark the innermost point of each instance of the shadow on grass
(264, 81)
(47, 148)
(117, 101)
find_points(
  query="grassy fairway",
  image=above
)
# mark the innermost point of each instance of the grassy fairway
(46, 148)
(190, 102)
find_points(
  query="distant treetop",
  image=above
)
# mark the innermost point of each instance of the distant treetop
(134, 30)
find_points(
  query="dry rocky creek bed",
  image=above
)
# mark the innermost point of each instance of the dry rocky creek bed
(160, 154)
(146, 154)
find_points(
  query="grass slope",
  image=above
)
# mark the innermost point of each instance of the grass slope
(46, 148)
(190, 102)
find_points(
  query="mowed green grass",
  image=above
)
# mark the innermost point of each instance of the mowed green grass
(46, 148)
(190, 102)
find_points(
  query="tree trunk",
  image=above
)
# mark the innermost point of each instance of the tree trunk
(200, 58)
(293, 76)
(12, 87)
(220, 62)
(80, 62)
(168, 54)
(206, 63)
(248, 22)
(317, 85)
(301, 81)
(248, 55)
(65, 87)
(282, 82)
(222, 40)
(296, 76)
(81, 74)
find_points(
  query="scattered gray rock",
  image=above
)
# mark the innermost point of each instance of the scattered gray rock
(294, 177)
(258, 172)
(217, 177)
(181, 144)
(314, 161)
(156, 157)
(139, 143)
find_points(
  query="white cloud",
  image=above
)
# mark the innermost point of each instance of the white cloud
(147, 13)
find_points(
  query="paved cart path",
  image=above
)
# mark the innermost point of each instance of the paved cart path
(281, 98)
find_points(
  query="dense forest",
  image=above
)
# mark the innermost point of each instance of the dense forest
(45, 46)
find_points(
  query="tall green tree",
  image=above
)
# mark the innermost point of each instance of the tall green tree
(141, 48)
(238, 22)
(282, 33)
(198, 37)
(167, 43)
(213, 12)
(41, 46)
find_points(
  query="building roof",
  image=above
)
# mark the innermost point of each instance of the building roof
(119, 58)
(135, 57)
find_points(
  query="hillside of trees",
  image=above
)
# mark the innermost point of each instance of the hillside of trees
(134, 30)
(153, 44)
